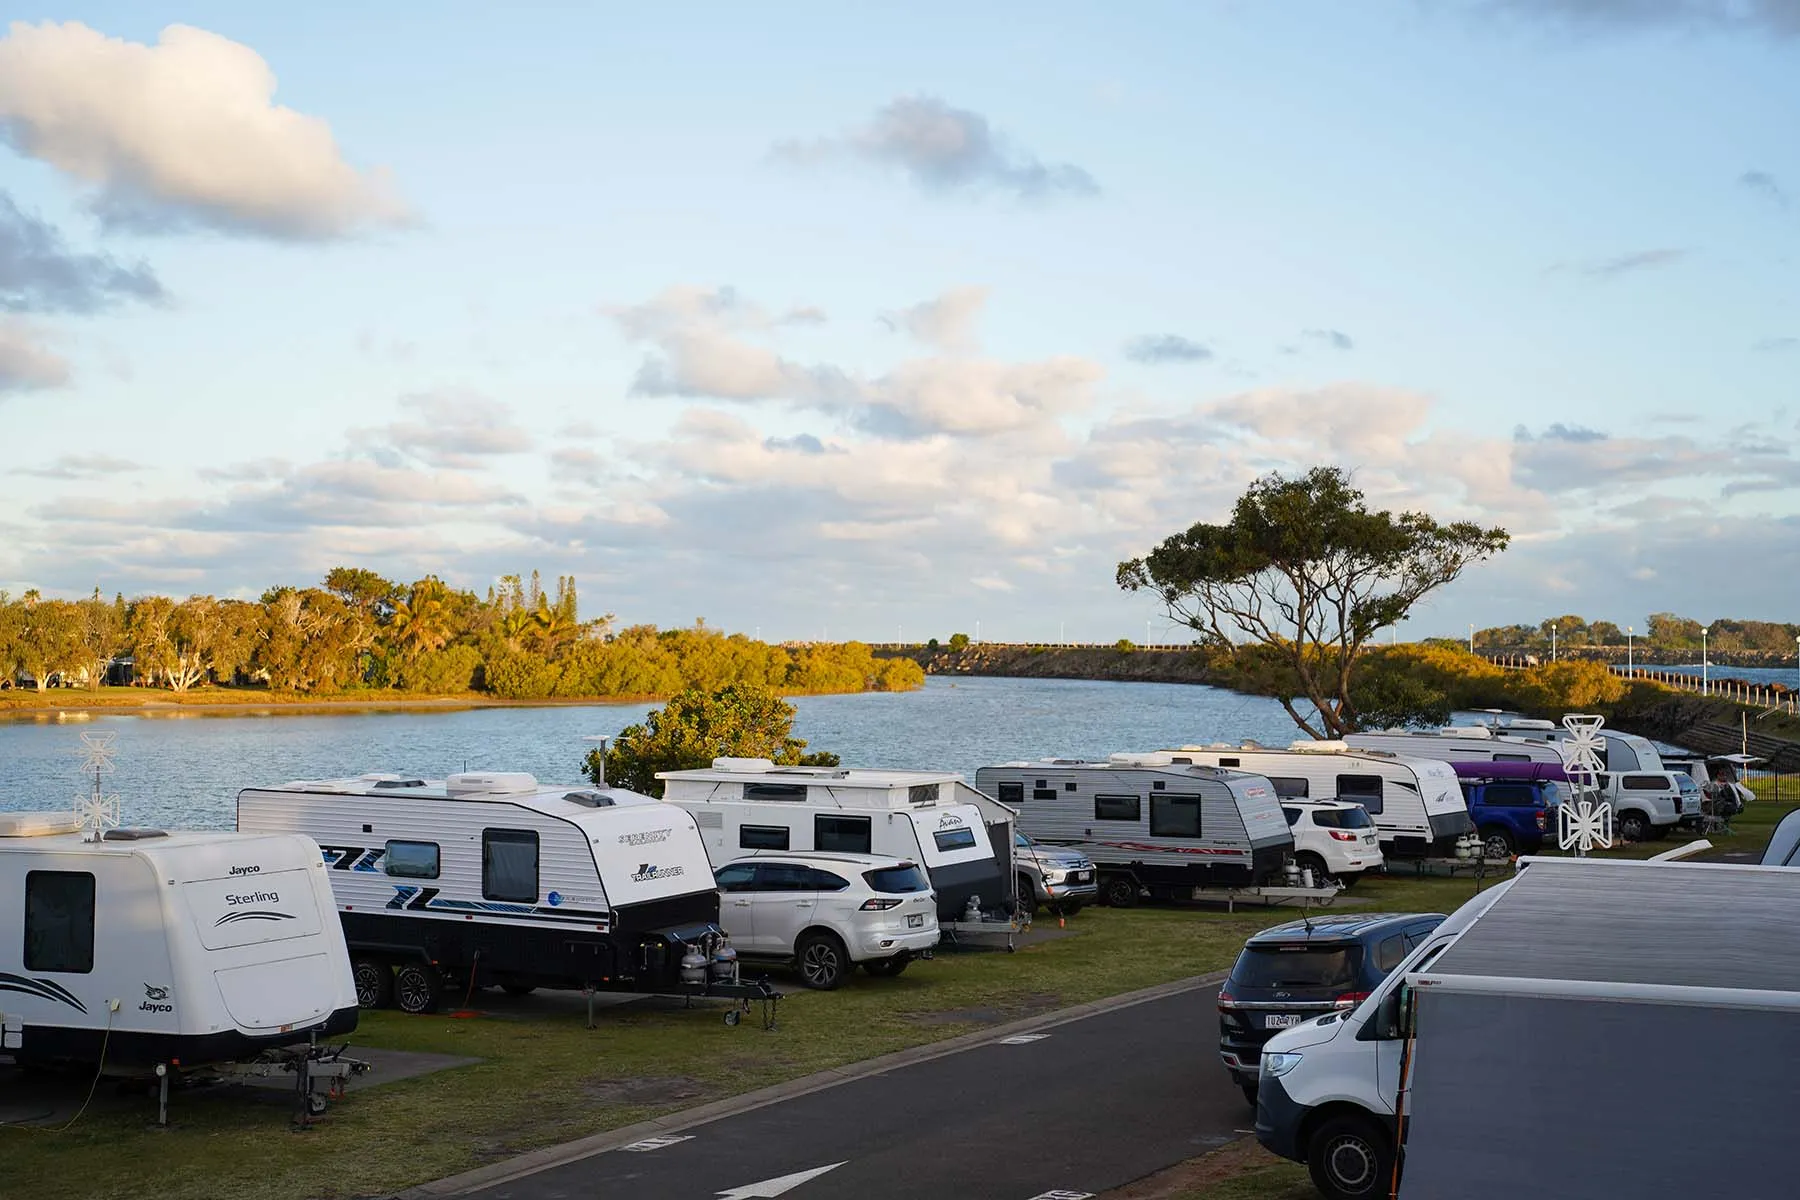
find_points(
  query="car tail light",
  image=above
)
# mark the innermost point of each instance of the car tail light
(1350, 999)
(880, 904)
(1338, 835)
(1543, 820)
(1225, 1000)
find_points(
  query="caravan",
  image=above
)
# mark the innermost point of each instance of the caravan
(1416, 803)
(145, 950)
(1150, 821)
(961, 837)
(1457, 744)
(498, 879)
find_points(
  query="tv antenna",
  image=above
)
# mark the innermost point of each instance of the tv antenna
(600, 758)
(97, 809)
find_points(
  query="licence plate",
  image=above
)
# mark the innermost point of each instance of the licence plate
(916, 921)
(1281, 1020)
(1083, 876)
(1368, 841)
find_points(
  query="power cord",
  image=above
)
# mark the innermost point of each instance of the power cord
(99, 1072)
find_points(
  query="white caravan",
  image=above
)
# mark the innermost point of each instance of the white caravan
(1150, 821)
(1465, 743)
(1623, 752)
(961, 837)
(1417, 803)
(148, 949)
(498, 879)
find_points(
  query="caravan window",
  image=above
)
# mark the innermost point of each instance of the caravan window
(1116, 808)
(1175, 816)
(1289, 788)
(59, 921)
(412, 860)
(1012, 793)
(954, 839)
(1361, 789)
(509, 865)
(793, 793)
(1512, 758)
(1043, 793)
(848, 835)
(763, 837)
(920, 793)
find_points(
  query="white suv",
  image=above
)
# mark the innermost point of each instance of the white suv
(1333, 837)
(828, 912)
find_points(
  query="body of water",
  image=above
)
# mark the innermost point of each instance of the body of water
(1761, 676)
(184, 770)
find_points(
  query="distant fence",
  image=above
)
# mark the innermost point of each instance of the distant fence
(1769, 697)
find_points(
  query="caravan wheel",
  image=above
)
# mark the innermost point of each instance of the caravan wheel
(417, 988)
(374, 983)
(1120, 891)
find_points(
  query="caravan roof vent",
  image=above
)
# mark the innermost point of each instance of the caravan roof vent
(590, 798)
(37, 824)
(384, 784)
(132, 835)
(1155, 758)
(1325, 747)
(1473, 731)
(743, 764)
(491, 783)
(1529, 723)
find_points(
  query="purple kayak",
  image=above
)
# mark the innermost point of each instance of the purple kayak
(1510, 770)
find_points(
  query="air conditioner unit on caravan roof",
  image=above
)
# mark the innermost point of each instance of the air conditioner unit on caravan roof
(491, 783)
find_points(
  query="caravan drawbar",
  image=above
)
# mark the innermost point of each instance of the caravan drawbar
(494, 878)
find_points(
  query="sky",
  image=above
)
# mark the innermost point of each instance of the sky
(899, 321)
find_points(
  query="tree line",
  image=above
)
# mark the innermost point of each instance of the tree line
(1664, 631)
(360, 631)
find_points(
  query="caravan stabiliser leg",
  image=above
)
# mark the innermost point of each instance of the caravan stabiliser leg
(162, 1095)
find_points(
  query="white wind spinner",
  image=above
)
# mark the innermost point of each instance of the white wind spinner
(1584, 822)
(97, 809)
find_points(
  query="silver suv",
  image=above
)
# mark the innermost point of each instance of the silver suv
(1056, 876)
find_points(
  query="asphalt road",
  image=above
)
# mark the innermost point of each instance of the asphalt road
(1085, 1107)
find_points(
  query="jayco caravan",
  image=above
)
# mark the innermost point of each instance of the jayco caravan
(1471, 743)
(962, 838)
(1416, 803)
(146, 949)
(1150, 820)
(498, 879)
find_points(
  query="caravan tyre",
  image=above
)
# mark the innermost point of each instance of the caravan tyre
(374, 983)
(1028, 900)
(1634, 827)
(1350, 1159)
(1120, 891)
(418, 988)
(823, 961)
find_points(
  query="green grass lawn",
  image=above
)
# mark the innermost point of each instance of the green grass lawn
(548, 1079)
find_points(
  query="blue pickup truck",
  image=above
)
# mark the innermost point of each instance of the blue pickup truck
(1513, 816)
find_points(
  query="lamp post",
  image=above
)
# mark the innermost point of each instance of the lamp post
(1147, 633)
(1629, 666)
(1553, 626)
(1471, 637)
(1705, 684)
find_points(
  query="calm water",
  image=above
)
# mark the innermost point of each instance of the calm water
(185, 771)
(1786, 676)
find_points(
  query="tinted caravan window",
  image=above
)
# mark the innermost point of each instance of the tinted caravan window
(1116, 808)
(1175, 816)
(954, 839)
(763, 837)
(1289, 788)
(412, 860)
(1361, 789)
(509, 865)
(59, 921)
(1012, 793)
(848, 835)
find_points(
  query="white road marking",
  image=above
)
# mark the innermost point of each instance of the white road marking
(1022, 1039)
(657, 1143)
(1061, 1195)
(775, 1187)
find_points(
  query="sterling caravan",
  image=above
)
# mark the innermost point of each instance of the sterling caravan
(961, 838)
(497, 879)
(1150, 821)
(148, 949)
(1416, 803)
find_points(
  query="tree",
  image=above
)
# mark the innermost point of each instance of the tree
(695, 727)
(422, 622)
(1304, 568)
(102, 633)
(959, 642)
(49, 639)
(1666, 631)
(363, 590)
(1605, 633)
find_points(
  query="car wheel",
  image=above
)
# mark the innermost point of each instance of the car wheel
(823, 961)
(888, 967)
(374, 983)
(418, 988)
(1350, 1159)
(1120, 891)
(1028, 899)
(1067, 908)
(1634, 827)
(1348, 879)
(518, 989)
(1321, 876)
(1496, 843)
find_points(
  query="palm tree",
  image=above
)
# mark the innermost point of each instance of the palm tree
(421, 622)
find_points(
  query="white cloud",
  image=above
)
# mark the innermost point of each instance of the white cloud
(181, 133)
(25, 363)
(947, 323)
(455, 428)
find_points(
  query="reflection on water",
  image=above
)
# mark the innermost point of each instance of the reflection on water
(184, 767)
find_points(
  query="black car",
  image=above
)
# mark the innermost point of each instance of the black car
(1304, 969)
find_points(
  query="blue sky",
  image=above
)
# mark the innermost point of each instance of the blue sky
(739, 316)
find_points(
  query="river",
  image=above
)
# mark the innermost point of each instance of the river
(184, 770)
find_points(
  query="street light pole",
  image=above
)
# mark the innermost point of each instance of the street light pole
(1553, 626)
(1471, 637)
(1705, 684)
(1630, 668)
